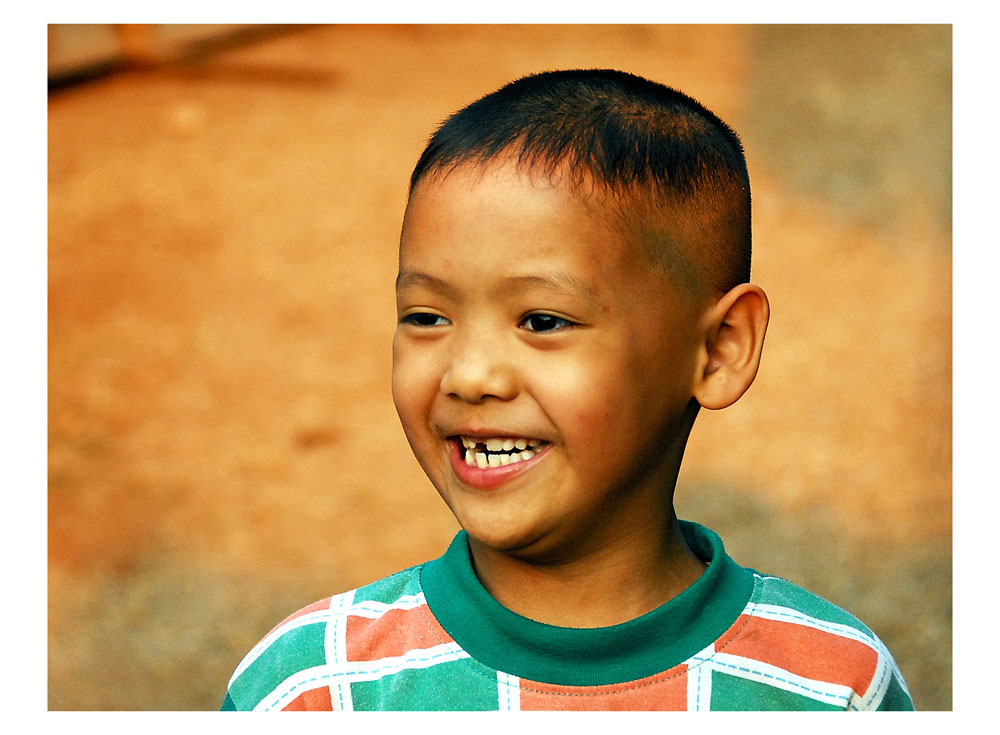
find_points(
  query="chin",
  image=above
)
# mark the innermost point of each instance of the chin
(530, 545)
(500, 537)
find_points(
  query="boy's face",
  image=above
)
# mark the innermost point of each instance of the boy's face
(524, 317)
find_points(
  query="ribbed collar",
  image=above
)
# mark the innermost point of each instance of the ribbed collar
(644, 646)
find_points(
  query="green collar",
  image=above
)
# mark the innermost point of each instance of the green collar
(644, 646)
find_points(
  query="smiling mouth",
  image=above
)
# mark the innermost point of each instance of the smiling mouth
(499, 451)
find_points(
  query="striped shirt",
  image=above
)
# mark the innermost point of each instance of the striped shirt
(432, 638)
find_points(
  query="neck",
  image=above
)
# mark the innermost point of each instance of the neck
(622, 579)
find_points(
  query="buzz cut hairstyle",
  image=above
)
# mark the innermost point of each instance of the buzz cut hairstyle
(675, 171)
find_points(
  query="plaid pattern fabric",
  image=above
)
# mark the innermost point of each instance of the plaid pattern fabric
(382, 648)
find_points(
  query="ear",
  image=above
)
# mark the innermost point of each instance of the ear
(732, 341)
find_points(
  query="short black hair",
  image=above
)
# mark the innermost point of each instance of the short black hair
(679, 170)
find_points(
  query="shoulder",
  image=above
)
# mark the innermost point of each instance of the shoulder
(295, 655)
(794, 603)
(802, 632)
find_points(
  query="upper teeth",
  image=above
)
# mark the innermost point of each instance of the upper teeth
(517, 450)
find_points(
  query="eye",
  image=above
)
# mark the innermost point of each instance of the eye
(542, 322)
(424, 319)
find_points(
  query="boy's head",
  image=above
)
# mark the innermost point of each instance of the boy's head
(670, 172)
(572, 288)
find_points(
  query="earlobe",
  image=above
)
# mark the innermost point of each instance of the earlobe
(732, 342)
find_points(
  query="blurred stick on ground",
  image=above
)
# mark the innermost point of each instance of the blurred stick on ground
(223, 219)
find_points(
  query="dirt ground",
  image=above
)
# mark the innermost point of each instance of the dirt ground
(222, 444)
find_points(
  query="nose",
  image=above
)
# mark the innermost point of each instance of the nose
(480, 367)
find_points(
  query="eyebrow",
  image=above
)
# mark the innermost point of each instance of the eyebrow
(554, 281)
(416, 279)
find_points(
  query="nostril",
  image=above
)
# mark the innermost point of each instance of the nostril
(477, 382)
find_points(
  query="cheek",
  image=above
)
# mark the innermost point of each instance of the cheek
(606, 402)
(398, 377)
(584, 399)
(413, 385)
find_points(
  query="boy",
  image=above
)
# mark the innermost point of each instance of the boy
(573, 288)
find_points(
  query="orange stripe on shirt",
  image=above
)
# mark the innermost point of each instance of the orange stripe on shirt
(392, 634)
(314, 700)
(806, 651)
(666, 691)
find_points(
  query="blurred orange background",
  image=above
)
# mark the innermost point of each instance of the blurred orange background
(224, 206)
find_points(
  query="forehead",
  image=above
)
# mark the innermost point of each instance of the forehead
(530, 212)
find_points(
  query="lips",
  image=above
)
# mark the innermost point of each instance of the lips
(487, 462)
